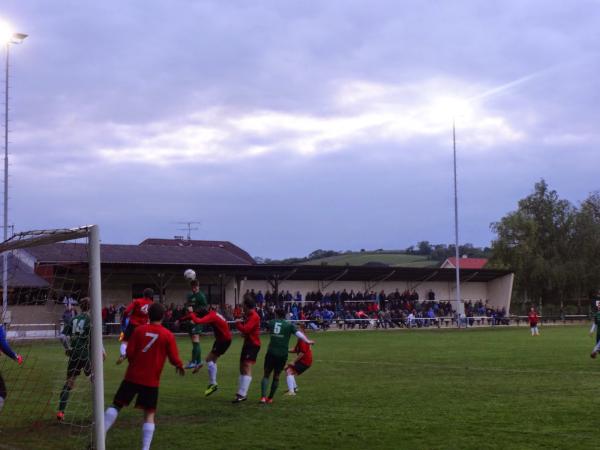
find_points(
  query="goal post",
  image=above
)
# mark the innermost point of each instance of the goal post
(61, 278)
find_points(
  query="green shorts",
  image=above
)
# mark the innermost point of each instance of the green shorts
(196, 329)
(274, 362)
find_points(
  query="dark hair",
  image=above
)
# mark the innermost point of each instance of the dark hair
(194, 283)
(148, 293)
(84, 304)
(156, 311)
(249, 302)
(279, 313)
(202, 311)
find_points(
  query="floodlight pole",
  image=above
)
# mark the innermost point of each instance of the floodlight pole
(460, 308)
(15, 38)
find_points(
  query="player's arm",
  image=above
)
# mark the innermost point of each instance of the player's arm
(593, 327)
(5, 348)
(300, 335)
(65, 334)
(127, 311)
(173, 355)
(245, 328)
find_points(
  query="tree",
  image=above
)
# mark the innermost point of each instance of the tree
(536, 241)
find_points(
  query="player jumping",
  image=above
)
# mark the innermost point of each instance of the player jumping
(250, 329)
(148, 348)
(300, 365)
(196, 300)
(76, 340)
(137, 313)
(5, 348)
(220, 346)
(280, 330)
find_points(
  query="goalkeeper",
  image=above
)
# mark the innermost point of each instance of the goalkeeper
(75, 338)
(196, 301)
(5, 348)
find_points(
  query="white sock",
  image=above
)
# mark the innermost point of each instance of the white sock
(110, 415)
(290, 382)
(1, 403)
(537, 331)
(244, 385)
(212, 372)
(147, 432)
(532, 331)
(597, 347)
(123, 348)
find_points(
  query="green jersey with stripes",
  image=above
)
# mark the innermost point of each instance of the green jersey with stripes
(281, 330)
(78, 329)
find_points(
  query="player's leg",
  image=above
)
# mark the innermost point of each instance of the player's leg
(2, 392)
(124, 339)
(64, 397)
(196, 350)
(148, 429)
(126, 392)
(219, 349)
(264, 384)
(278, 365)
(291, 379)
(247, 360)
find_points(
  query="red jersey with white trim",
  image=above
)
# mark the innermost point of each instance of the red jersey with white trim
(303, 347)
(218, 322)
(150, 345)
(138, 311)
(250, 328)
(533, 318)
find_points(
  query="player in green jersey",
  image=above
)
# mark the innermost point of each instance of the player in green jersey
(280, 330)
(76, 340)
(196, 300)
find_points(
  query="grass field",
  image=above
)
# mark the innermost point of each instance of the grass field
(391, 259)
(425, 389)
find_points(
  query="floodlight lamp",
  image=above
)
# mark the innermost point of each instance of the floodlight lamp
(6, 33)
(17, 38)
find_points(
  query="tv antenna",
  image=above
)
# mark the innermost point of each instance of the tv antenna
(189, 227)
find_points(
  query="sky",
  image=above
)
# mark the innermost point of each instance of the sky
(290, 126)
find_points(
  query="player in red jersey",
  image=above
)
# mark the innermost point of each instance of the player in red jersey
(533, 322)
(301, 364)
(220, 346)
(149, 346)
(250, 329)
(137, 313)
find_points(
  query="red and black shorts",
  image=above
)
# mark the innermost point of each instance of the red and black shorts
(77, 364)
(299, 367)
(220, 347)
(147, 396)
(274, 362)
(249, 352)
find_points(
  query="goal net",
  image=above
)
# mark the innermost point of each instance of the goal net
(51, 317)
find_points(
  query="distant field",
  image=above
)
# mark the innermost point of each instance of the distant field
(408, 389)
(391, 259)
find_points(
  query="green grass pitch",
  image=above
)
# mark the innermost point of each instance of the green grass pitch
(429, 389)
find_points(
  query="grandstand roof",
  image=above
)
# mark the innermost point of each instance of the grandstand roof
(465, 263)
(150, 251)
(21, 275)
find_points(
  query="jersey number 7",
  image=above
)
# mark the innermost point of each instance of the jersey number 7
(153, 337)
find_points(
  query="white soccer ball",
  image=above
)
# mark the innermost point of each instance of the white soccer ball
(189, 275)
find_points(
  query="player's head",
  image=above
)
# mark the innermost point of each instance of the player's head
(280, 313)
(84, 304)
(249, 303)
(195, 285)
(156, 311)
(301, 326)
(149, 293)
(202, 311)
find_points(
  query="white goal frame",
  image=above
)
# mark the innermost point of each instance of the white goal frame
(92, 233)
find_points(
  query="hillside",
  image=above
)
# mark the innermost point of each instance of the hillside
(384, 258)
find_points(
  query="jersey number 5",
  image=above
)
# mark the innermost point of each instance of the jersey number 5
(153, 337)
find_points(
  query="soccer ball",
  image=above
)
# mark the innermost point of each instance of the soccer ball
(189, 275)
